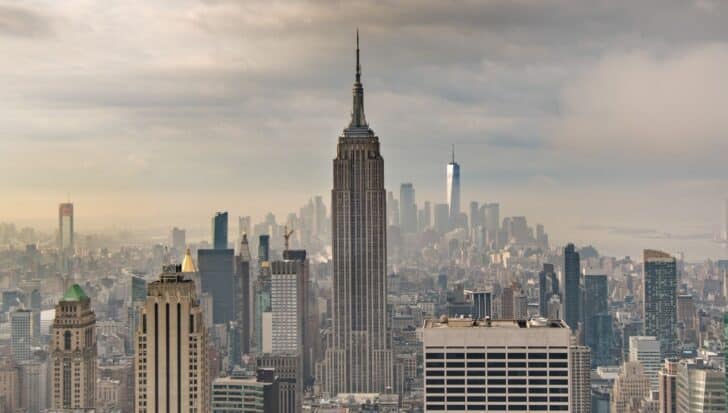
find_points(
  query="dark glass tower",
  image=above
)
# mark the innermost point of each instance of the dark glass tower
(220, 231)
(572, 287)
(359, 358)
(597, 321)
(660, 300)
(548, 286)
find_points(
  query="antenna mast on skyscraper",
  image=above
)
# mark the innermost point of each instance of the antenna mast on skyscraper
(287, 235)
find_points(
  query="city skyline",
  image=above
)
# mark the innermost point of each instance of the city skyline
(518, 140)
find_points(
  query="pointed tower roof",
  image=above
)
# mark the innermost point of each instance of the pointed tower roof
(188, 264)
(75, 293)
(245, 249)
(358, 126)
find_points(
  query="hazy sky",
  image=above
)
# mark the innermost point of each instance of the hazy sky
(582, 115)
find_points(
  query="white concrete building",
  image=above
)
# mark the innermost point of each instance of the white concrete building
(646, 350)
(498, 366)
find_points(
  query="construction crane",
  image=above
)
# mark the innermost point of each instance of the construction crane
(287, 234)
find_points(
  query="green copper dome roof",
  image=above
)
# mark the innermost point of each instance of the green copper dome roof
(75, 293)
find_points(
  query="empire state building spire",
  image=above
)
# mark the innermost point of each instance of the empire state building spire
(357, 113)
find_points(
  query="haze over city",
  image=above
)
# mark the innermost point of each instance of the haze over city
(598, 119)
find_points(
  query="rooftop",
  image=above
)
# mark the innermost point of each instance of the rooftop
(75, 293)
(445, 322)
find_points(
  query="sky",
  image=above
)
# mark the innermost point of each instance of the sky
(603, 120)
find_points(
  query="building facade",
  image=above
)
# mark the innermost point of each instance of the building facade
(453, 189)
(660, 300)
(171, 344)
(359, 356)
(496, 366)
(73, 353)
(572, 287)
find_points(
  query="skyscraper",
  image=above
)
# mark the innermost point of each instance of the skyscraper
(474, 215)
(660, 300)
(241, 288)
(21, 334)
(548, 286)
(65, 228)
(407, 208)
(359, 358)
(442, 218)
(453, 189)
(178, 239)
(700, 387)
(572, 287)
(220, 231)
(667, 386)
(73, 352)
(646, 350)
(528, 365)
(171, 343)
(217, 268)
(597, 320)
(244, 225)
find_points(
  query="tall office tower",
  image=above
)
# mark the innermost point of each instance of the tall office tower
(597, 320)
(572, 287)
(491, 220)
(660, 300)
(482, 305)
(9, 387)
(520, 305)
(239, 394)
(241, 288)
(319, 215)
(136, 298)
(667, 386)
(217, 270)
(407, 208)
(359, 358)
(506, 312)
(34, 386)
(21, 333)
(687, 318)
(646, 350)
(178, 239)
(442, 218)
(700, 387)
(548, 286)
(474, 215)
(73, 353)
(426, 222)
(580, 365)
(244, 224)
(453, 189)
(528, 365)
(171, 343)
(263, 248)
(630, 387)
(220, 231)
(65, 228)
(287, 373)
(542, 238)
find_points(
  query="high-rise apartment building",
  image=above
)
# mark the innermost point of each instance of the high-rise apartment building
(359, 357)
(700, 387)
(21, 334)
(660, 300)
(453, 189)
(171, 344)
(580, 365)
(220, 231)
(217, 270)
(667, 386)
(73, 353)
(572, 287)
(646, 350)
(496, 365)
(407, 208)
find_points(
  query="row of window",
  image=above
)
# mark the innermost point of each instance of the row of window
(497, 390)
(502, 364)
(496, 356)
(493, 382)
(499, 373)
(496, 407)
(532, 399)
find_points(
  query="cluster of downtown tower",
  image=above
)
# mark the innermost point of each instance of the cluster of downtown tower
(485, 317)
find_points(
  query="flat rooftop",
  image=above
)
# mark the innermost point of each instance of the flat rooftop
(445, 322)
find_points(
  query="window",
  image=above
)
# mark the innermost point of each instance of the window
(67, 340)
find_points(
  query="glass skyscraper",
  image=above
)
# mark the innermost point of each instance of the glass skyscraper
(572, 287)
(660, 300)
(220, 231)
(453, 189)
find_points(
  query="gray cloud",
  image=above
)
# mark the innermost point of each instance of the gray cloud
(23, 22)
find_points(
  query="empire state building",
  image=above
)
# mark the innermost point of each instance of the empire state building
(359, 356)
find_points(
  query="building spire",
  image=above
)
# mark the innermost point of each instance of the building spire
(453, 153)
(357, 113)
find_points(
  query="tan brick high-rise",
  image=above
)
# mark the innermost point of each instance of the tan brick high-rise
(73, 353)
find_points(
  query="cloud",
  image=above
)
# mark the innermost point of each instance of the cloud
(646, 106)
(23, 22)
